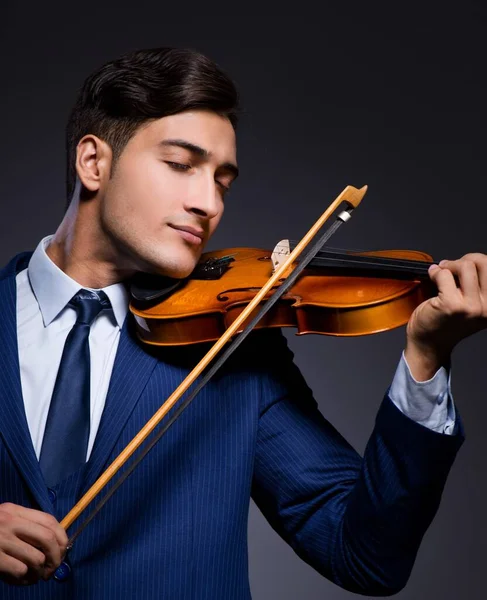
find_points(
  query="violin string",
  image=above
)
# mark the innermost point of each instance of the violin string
(339, 259)
(378, 261)
(416, 269)
(384, 261)
(349, 251)
(308, 253)
(293, 243)
(348, 256)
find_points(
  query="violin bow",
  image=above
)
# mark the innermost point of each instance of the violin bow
(352, 197)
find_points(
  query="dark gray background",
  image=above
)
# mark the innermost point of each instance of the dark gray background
(391, 95)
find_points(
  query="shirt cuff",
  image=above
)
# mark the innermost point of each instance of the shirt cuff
(429, 403)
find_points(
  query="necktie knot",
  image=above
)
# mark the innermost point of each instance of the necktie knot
(88, 305)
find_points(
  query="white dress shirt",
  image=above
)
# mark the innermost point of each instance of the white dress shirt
(429, 403)
(44, 320)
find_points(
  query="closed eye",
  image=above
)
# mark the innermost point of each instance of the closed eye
(225, 188)
(184, 167)
(178, 166)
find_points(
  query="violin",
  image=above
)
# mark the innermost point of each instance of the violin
(338, 293)
(236, 290)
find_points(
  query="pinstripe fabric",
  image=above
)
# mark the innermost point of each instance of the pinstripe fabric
(177, 528)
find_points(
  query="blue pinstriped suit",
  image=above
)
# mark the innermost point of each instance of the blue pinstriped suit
(177, 528)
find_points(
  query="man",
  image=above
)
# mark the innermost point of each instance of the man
(151, 154)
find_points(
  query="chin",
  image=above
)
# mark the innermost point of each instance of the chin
(174, 262)
(179, 273)
(178, 270)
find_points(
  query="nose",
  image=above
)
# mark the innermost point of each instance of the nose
(204, 198)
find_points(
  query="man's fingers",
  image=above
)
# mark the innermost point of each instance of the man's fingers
(457, 311)
(40, 518)
(31, 557)
(30, 538)
(449, 296)
(468, 273)
(480, 261)
(16, 569)
(42, 538)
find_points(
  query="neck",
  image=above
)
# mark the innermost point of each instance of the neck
(82, 250)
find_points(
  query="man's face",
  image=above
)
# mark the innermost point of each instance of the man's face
(165, 197)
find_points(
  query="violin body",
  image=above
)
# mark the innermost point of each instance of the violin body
(328, 301)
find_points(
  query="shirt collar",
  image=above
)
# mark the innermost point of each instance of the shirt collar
(53, 289)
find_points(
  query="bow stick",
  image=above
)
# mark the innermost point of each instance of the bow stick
(352, 197)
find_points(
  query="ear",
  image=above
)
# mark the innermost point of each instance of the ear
(93, 162)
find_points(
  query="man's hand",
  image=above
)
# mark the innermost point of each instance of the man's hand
(32, 544)
(459, 309)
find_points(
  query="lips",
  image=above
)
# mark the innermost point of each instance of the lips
(197, 232)
(193, 235)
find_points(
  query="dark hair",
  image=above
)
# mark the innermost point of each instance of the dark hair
(143, 85)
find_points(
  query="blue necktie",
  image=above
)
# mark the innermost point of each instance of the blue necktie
(68, 422)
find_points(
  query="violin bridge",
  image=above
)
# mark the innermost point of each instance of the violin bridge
(281, 251)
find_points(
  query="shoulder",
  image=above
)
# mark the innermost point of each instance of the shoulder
(266, 356)
(263, 350)
(263, 363)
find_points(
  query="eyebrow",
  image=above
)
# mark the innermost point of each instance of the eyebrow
(199, 151)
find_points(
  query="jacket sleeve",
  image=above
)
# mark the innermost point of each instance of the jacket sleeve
(358, 521)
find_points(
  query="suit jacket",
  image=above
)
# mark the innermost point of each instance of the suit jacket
(177, 527)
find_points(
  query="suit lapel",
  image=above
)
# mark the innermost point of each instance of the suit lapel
(131, 371)
(13, 422)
